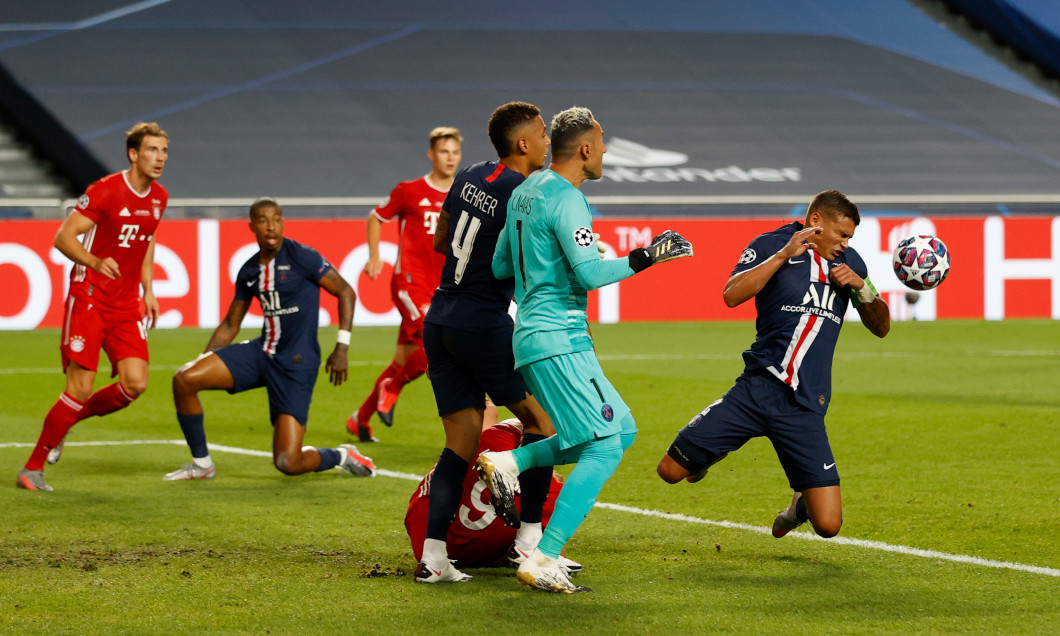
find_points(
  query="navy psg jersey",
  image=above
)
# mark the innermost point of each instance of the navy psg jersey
(287, 287)
(469, 296)
(800, 313)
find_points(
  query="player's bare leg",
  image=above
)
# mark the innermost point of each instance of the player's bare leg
(670, 471)
(825, 509)
(535, 420)
(79, 381)
(133, 373)
(206, 373)
(292, 458)
(288, 455)
(822, 507)
(462, 431)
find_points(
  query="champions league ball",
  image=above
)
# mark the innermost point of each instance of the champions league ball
(921, 262)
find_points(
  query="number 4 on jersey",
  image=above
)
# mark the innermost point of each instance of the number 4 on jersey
(464, 242)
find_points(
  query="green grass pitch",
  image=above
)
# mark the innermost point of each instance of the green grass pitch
(945, 434)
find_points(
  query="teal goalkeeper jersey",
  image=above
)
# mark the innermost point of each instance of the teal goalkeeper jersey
(547, 244)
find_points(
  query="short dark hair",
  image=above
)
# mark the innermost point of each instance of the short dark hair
(834, 204)
(264, 202)
(568, 126)
(134, 137)
(504, 123)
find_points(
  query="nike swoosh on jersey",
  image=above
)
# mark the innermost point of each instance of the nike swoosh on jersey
(792, 261)
(829, 466)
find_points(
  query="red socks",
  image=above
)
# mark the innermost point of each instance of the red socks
(414, 367)
(107, 400)
(64, 413)
(367, 410)
(67, 411)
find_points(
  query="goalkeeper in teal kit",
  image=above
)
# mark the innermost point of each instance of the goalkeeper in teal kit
(548, 246)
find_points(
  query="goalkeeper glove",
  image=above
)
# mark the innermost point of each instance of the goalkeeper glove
(664, 247)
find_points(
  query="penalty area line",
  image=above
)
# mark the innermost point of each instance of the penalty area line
(857, 543)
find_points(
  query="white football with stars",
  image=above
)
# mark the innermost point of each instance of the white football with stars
(921, 262)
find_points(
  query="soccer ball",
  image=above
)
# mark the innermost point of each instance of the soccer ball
(921, 262)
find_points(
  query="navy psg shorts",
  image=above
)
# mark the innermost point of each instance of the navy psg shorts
(760, 405)
(464, 366)
(290, 390)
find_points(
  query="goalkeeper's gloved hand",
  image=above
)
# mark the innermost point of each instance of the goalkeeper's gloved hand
(664, 247)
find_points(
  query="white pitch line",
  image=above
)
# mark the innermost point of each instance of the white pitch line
(732, 525)
(859, 543)
(213, 447)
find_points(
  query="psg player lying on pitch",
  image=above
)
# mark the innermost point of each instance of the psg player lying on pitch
(286, 277)
(802, 277)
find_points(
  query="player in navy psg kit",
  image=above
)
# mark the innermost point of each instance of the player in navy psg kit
(286, 278)
(802, 277)
(468, 334)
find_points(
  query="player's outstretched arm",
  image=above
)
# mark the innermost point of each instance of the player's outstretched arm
(338, 361)
(743, 286)
(598, 272)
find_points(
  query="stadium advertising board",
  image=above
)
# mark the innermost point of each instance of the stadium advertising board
(1002, 267)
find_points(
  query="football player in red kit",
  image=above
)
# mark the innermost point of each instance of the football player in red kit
(477, 536)
(116, 218)
(416, 206)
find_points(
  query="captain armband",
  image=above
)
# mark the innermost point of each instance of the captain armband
(865, 295)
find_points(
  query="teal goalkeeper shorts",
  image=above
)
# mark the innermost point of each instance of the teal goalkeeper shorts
(574, 392)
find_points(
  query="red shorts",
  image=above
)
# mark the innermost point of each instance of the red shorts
(88, 327)
(412, 303)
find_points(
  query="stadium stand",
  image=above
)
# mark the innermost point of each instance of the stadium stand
(760, 99)
(1031, 27)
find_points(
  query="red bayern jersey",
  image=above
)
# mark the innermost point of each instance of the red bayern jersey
(125, 223)
(416, 205)
(477, 537)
